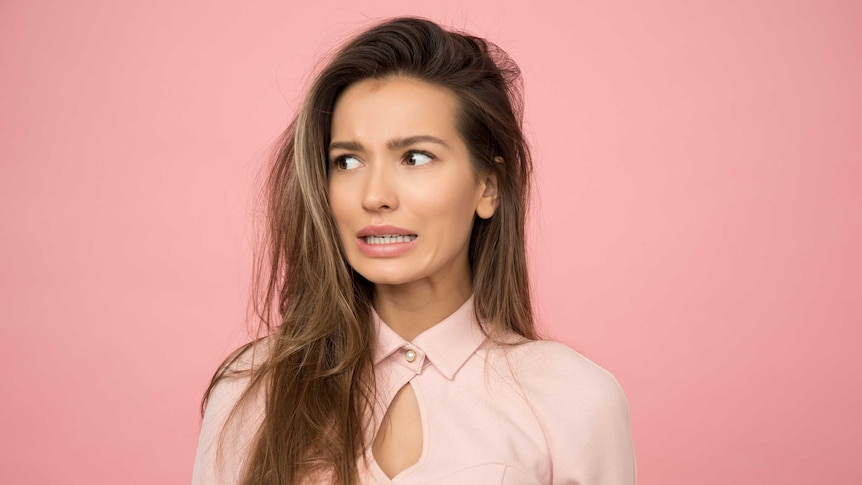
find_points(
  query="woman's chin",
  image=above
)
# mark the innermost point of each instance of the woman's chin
(387, 279)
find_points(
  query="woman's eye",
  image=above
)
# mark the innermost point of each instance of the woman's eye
(346, 162)
(418, 158)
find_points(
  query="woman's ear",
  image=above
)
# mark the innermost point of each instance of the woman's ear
(489, 201)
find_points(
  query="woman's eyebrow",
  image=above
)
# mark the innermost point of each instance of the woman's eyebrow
(394, 144)
(352, 146)
(399, 143)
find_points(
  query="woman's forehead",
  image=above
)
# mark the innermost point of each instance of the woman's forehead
(391, 108)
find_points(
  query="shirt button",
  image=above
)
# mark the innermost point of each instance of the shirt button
(410, 355)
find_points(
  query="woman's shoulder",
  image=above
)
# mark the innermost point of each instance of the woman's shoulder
(236, 373)
(547, 370)
(231, 417)
(556, 360)
(248, 356)
(580, 406)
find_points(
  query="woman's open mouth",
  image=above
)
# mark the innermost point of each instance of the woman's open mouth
(389, 239)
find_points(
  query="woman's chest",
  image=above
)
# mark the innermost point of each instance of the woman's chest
(472, 429)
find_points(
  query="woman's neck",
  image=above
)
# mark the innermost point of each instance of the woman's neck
(411, 309)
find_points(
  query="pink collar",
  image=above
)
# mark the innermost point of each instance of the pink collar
(447, 345)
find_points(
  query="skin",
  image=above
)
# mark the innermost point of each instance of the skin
(397, 158)
(427, 187)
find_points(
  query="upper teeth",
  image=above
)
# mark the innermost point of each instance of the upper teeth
(389, 239)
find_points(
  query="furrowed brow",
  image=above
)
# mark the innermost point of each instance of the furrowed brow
(400, 143)
(345, 145)
(394, 144)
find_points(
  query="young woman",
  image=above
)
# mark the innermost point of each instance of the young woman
(400, 345)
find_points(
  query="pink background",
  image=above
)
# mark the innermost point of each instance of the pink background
(697, 229)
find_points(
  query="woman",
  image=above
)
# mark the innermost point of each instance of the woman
(403, 350)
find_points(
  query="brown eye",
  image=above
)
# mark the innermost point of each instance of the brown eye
(346, 162)
(417, 158)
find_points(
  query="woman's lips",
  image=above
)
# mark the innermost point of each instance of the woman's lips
(384, 230)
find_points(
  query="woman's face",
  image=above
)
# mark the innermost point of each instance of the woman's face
(402, 190)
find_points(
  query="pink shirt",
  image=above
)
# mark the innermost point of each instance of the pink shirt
(534, 413)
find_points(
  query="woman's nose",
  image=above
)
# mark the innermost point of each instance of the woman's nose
(380, 193)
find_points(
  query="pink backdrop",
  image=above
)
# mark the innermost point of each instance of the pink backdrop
(697, 225)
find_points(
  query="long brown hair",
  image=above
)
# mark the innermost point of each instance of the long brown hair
(314, 309)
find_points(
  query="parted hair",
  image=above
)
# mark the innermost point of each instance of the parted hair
(314, 310)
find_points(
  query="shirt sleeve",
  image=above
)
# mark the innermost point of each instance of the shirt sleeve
(585, 417)
(224, 443)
